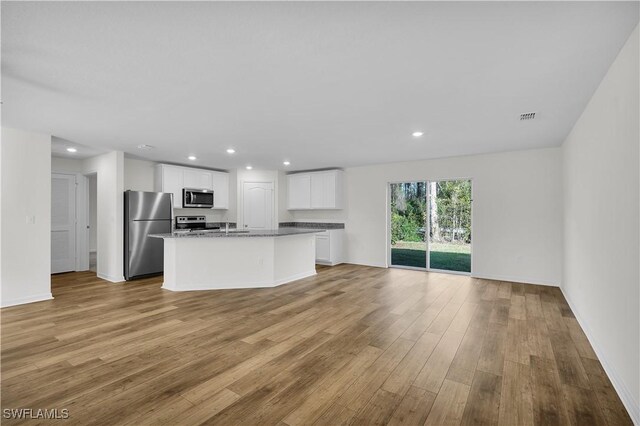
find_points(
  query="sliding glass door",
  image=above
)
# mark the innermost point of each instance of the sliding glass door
(430, 225)
(408, 224)
(450, 225)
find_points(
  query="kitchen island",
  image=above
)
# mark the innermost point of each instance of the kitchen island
(210, 260)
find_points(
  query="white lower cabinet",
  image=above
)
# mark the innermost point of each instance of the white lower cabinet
(330, 247)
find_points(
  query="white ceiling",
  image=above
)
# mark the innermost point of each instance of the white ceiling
(59, 149)
(321, 84)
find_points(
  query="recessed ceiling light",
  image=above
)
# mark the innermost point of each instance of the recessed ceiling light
(249, 167)
(231, 151)
(72, 150)
(417, 134)
(286, 163)
(192, 157)
(145, 146)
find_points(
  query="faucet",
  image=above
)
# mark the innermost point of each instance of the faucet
(226, 227)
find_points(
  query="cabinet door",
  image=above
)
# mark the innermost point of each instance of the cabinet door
(299, 191)
(325, 190)
(329, 190)
(318, 190)
(173, 182)
(220, 190)
(200, 179)
(323, 248)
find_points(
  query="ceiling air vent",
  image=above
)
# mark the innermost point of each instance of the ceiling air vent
(528, 116)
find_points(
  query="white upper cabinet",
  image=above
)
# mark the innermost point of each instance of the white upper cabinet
(220, 186)
(198, 179)
(299, 191)
(315, 190)
(170, 179)
(173, 179)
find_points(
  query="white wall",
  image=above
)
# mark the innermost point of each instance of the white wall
(139, 175)
(517, 211)
(25, 167)
(601, 223)
(66, 165)
(110, 170)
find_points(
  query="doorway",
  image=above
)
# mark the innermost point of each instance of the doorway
(258, 205)
(430, 225)
(63, 223)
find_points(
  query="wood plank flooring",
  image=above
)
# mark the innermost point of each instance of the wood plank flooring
(352, 345)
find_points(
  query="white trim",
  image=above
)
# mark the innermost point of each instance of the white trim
(372, 265)
(29, 299)
(427, 225)
(118, 279)
(623, 392)
(258, 284)
(523, 280)
(447, 271)
(410, 268)
(82, 221)
(328, 263)
(389, 228)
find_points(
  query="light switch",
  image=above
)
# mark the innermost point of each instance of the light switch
(31, 220)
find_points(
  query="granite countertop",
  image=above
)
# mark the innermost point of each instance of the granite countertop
(233, 233)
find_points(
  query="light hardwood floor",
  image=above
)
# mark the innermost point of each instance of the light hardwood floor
(353, 345)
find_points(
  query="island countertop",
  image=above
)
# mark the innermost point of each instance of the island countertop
(233, 233)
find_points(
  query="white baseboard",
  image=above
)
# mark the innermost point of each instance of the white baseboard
(372, 265)
(258, 284)
(325, 263)
(632, 406)
(29, 299)
(110, 278)
(523, 280)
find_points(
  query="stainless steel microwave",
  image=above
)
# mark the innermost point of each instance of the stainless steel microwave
(199, 198)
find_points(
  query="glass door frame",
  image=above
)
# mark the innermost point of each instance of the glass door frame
(426, 232)
(427, 226)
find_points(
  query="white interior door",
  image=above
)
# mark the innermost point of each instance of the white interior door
(63, 223)
(258, 205)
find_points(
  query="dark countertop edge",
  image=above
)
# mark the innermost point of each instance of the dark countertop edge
(280, 232)
(313, 225)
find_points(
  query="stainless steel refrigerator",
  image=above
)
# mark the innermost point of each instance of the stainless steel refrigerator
(145, 213)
